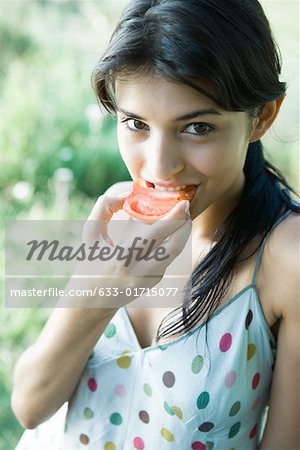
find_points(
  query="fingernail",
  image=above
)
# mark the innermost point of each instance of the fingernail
(187, 208)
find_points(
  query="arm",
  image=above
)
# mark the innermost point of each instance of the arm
(47, 373)
(282, 430)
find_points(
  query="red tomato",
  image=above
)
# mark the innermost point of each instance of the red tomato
(147, 203)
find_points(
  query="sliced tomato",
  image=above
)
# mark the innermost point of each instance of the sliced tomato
(148, 203)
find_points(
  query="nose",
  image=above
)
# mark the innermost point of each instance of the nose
(163, 159)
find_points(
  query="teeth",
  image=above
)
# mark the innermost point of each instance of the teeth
(171, 189)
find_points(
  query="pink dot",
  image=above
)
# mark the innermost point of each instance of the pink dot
(253, 431)
(138, 443)
(225, 342)
(198, 446)
(92, 384)
(230, 379)
(256, 403)
(255, 380)
(120, 390)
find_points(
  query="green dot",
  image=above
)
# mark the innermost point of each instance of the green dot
(203, 400)
(88, 413)
(148, 389)
(209, 445)
(110, 330)
(116, 419)
(163, 347)
(197, 364)
(66, 427)
(235, 409)
(234, 430)
(168, 409)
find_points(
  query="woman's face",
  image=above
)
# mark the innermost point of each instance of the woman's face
(169, 133)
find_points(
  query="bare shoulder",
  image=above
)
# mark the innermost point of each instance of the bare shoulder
(282, 267)
(282, 273)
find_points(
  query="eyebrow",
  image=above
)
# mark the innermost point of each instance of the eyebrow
(191, 115)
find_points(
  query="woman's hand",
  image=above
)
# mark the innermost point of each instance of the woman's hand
(136, 254)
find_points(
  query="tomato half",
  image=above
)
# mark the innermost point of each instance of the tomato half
(147, 203)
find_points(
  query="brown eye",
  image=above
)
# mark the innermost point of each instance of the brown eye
(199, 129)
(135, 125)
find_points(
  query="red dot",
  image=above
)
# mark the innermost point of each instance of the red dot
(138, 443)
(92, 384)
(255, 380)
(225, 342)
(198, 446)
(253, 431)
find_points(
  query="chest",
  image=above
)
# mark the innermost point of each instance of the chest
(146, 321)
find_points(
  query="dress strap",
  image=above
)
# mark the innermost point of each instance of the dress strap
(262, 246)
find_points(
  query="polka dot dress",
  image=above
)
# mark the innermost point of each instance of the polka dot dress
(184, 395)
(191, 394)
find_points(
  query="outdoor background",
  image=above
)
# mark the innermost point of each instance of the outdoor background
(49, 121)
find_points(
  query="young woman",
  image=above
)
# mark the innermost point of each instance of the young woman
(195, 85)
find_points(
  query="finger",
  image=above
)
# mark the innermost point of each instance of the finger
(177, 241)
(101, 214)
(155, 234)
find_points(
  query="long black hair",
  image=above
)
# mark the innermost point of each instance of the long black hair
(230, 44)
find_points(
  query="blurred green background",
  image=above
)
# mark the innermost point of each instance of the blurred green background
(58, 152)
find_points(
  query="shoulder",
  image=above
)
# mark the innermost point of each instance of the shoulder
(282, 267)
(281, 272)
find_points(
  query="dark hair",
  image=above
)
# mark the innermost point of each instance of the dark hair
(230, 44)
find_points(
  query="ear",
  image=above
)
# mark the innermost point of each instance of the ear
(265, 119)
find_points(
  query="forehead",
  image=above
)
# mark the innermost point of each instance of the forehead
(156, 94)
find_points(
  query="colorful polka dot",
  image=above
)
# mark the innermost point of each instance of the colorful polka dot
(88, 413)
(197, 364)
(167, 435)
(120, 390)
(253, 431)
(225, 342)
(168, 409)
(124, 361)
(198, 446)
(84, 439)
(234, 430)
(109, 446)
(230, 379)
(110, 330)
(235, 409)
(144, 416)
(116, 419)
(251, 349)
(163, 347)
(66, 427)
(249, 318)
(178, 412)
(209, 445)
(206, 426)
(148, 389)
(138, 443)
(169, 379)
(203, 400)
(255, 380)
(92, 384)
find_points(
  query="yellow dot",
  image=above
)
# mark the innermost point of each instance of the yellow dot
(109, 446)
(167, 435)
(178, 412)
(124, 361)
(250, 351)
